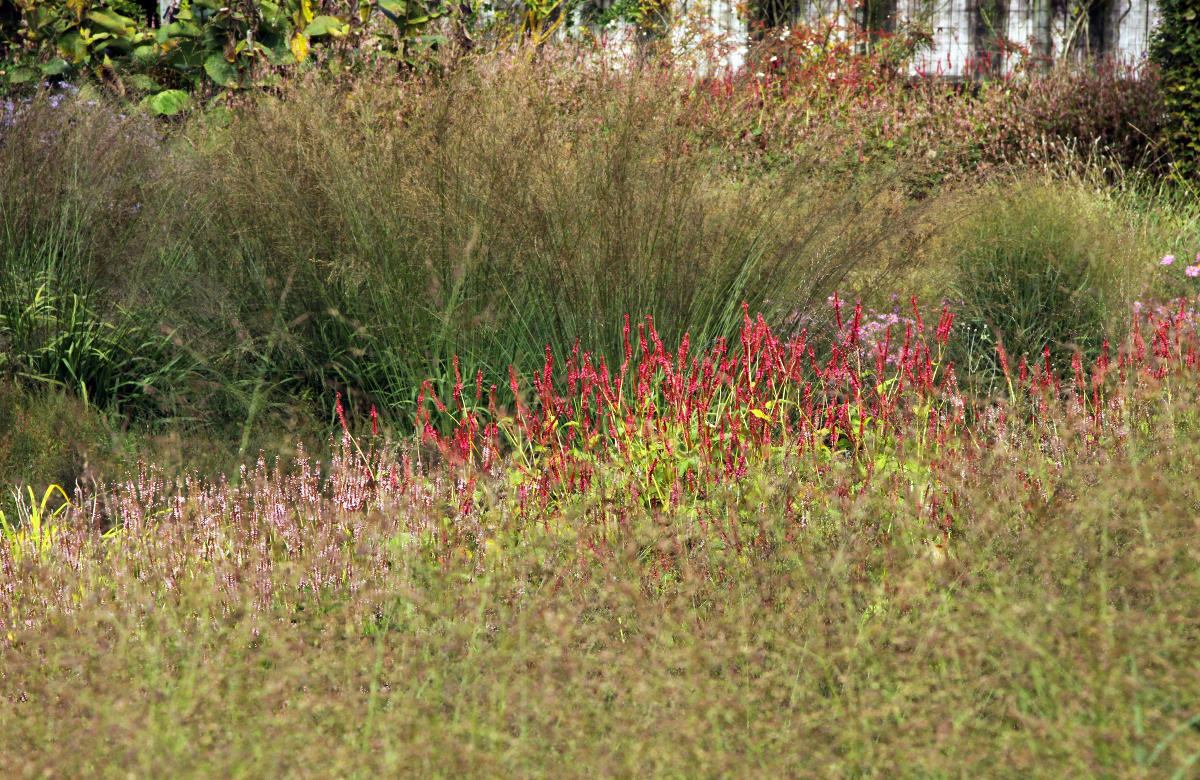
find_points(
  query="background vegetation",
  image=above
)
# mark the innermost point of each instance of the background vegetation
(1176, 48)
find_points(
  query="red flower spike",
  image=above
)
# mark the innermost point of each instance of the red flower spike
(341, 415)
(944, 325)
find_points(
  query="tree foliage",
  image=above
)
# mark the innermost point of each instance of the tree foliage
(1175, 47)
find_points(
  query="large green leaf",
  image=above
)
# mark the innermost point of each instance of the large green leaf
(145, 54)
(221, 70)
(393, 9)
(326, 25)
(22, 74)
(168, 102)
(56, 67)
(113, 22)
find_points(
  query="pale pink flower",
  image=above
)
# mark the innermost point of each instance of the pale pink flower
(1192, 270)
(1167, 259)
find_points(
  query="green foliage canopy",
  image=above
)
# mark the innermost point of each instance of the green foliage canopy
(203, 44)
(1175, 47)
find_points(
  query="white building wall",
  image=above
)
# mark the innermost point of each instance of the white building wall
(952, 23)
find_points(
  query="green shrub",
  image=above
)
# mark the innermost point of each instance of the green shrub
(1039, 265)
(1175, 46)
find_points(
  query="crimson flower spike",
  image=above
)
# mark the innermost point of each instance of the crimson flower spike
(340, 413)
(458, 386)
(944, 325)
(917, 314)
(421, 403)
(628, 346)
(881, 352)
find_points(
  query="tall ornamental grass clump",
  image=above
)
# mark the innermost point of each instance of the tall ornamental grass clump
(1039, 269)
(362, 240)
(82, 288)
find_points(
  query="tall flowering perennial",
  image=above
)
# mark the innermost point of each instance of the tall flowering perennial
(682, 421)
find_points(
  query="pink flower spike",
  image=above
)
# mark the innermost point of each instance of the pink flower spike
(1192, 270)
(1167, 260)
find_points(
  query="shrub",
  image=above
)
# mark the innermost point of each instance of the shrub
(808, 92)
(205, 44)
(1175, 46)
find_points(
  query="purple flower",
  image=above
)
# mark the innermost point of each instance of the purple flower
(1192, 270)
(1167, 260)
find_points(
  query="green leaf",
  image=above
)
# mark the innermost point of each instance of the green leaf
(326, 25)
(221, 70)
(393, 9)
(144, 54)
(168, 102)
(22, 74)
(178, 29)
(113, 22)
(56, 67)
